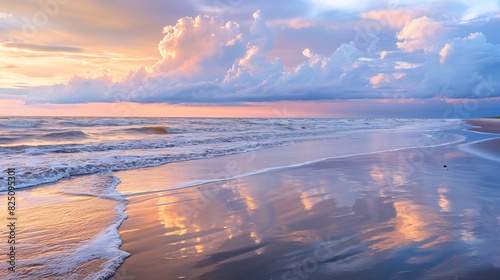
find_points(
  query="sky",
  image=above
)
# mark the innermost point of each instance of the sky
(239, 58)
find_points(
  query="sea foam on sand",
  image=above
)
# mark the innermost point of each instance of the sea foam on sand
(68, 230)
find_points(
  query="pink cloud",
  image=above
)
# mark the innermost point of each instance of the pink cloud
(396, 18)
(382, 78)
(199, 46)
(383, 54)
(444, 52)
(261, 41)
(420, 34)
(5, 15)
(299, 23)
(377, 79)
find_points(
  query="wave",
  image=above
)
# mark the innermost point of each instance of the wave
(66, 135)
(52, 170)
(101, 245)
(20, 123)
(48, 169)
(149, 130)
(49, 163)
(155, 143)
(106, 122)
(270, 135)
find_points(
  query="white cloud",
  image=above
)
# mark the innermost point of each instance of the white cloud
(201, 46)
(260, 41)
(420, 34)
(458, 68)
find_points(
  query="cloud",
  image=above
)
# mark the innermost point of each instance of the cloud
(463, 68)
(254, 69)
(395, 18)
(77, 90)
(201, 46)
(261, 40)
(114, 25)
(5, 15)
(298, 23)
(383, 54)
(207, 60)
(43, 48)
(420, 34)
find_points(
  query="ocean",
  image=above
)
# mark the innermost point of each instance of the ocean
(45, 150)
(69, 205)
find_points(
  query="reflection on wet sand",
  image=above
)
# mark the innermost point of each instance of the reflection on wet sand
(369, 216)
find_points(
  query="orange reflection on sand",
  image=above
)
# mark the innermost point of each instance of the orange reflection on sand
(413, 223)
(177, 222)
(310, 197)
(306, 201)
(233, 223)
(245, 195)
(188, 221)
(377, 175)
(255, 237)
(384, 178)
(171, 217)
(468, 233)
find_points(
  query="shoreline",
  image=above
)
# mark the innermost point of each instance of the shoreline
(268, 225)
(486, 148)
(485, 125)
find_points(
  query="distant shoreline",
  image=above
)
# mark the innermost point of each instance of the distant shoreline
(487, 125)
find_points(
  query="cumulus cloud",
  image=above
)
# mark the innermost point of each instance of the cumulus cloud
(260, 41)
(459, 67)
(420, 34)
(207, 60)
(201, 46)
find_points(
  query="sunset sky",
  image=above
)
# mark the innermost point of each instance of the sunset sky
(238, 58)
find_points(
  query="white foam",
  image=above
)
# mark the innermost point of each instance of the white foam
(48, 163)
(61, 261)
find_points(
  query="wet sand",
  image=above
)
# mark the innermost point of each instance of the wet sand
(485, 125)
(491, 147)
(407, 214)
